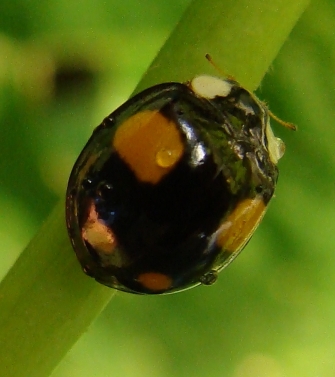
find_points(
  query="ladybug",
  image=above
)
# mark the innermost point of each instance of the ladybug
(171, 186)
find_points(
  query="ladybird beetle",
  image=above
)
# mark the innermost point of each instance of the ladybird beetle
(171, 186)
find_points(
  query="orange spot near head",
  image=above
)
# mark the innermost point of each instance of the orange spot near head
(239, 226)
(150, 144)
(155, 281)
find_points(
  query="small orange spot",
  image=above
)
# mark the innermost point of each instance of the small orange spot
(150, 144)
(97, 234)
(239, 226)
(155, 281)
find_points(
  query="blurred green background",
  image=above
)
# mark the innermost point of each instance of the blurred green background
(63, 67)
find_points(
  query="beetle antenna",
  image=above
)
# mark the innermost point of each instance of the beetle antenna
(217, 68)
(288, 125)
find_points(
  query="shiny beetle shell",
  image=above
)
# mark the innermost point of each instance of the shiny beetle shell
(171, 186)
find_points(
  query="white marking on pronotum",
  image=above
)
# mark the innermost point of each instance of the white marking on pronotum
(276, 146)
(210, 87)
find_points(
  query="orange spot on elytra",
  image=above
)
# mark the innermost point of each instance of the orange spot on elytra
(97, 234)
(150, 144)
(155, 281)
(240, 224)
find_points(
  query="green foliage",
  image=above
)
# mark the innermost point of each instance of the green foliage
(63, 67)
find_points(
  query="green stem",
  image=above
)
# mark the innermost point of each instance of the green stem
(242, 36)
(46, 302)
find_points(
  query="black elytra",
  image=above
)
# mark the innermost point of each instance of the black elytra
(170, 187)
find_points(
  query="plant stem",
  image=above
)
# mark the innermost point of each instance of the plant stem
(243, 37)
(46, 302)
